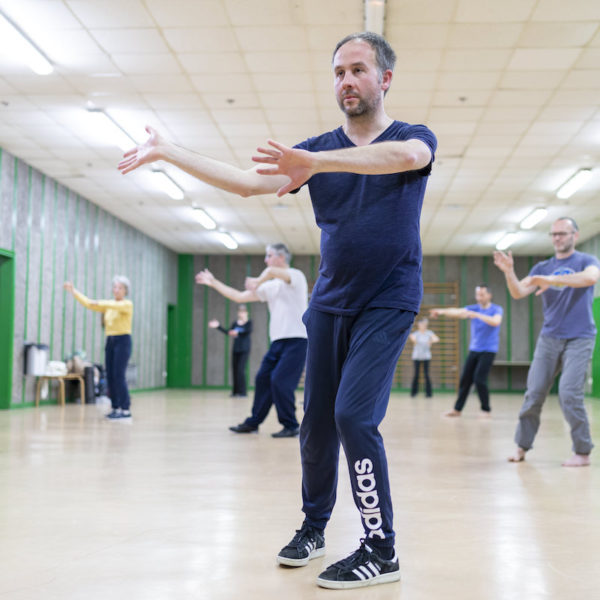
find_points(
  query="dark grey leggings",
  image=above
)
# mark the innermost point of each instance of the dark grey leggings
(414, 388)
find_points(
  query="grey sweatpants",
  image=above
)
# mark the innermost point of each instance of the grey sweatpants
(554, 355)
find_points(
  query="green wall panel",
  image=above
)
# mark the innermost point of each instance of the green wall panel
(180, 338)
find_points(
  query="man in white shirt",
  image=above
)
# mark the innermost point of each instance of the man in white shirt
(285, 291)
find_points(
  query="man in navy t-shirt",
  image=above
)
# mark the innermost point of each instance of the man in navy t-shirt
(366, 181)
(566, 341)
(486, 318)
(362, 306)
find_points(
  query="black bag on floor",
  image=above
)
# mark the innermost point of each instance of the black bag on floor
(101, 386)
(88, 377)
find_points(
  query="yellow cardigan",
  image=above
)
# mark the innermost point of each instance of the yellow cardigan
(117, 313)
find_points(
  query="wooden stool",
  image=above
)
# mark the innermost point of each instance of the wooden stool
(61, 386)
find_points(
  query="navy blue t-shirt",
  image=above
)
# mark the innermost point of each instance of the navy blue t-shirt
(370, 234)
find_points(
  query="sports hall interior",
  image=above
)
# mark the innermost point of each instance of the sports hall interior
(173, 505)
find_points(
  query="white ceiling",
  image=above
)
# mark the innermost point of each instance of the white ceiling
(511, 88)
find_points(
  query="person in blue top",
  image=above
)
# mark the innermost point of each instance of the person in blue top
(367, 181)
(566, 342)
(486, 318)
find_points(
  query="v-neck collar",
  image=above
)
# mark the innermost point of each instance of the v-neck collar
(372, 141)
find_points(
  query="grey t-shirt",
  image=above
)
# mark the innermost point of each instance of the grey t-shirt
(422, 348)
(567, 310)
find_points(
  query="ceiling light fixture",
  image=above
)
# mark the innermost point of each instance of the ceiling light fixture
(575, 182)
(507, 240)
(227, 240)
(532, 219)
(18, 43)
(374, 15)
(166, 184)
(204, 219)
(107, 130)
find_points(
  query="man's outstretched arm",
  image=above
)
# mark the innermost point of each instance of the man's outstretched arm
(219, 174)
(586, 278)
(205, 277)
(492, 320)
(374, 159)
(453, 313)
(283, 273)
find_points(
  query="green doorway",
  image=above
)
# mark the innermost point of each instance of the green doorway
(7, 323)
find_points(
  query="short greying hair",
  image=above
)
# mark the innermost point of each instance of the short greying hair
(384, 55)
(572, 221)
(123, 281)
(281, 250)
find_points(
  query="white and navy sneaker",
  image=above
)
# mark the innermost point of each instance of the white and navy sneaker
(114, 414)
(363, 567)
(308, 543)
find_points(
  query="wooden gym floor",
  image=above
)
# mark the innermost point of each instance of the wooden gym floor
(174, 506)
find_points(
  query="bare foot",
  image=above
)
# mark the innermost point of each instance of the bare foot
(518, 456)
(577, 460)
(485, 414)
(452, 413)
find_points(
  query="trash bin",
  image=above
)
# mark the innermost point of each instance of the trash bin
(36, 359)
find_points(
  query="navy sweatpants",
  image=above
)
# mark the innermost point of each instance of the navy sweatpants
(116, 356)
(276, 382)
(349, 372)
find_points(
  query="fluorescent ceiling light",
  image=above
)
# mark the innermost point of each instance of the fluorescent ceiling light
(203, 218)
(165, 184)
(17, 44)
(571, 185)
(227, 240)
(374, 15)
(507, 240)
(531, 220)
(107, 131)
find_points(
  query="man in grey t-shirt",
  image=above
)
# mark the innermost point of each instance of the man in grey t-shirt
(566, 342)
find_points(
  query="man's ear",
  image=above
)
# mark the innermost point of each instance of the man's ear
(386, 80)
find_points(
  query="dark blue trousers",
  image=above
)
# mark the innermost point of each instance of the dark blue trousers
(349, 373)
(276, 382)
(117, 352)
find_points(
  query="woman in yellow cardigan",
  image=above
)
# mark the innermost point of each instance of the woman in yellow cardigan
(117, 315)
